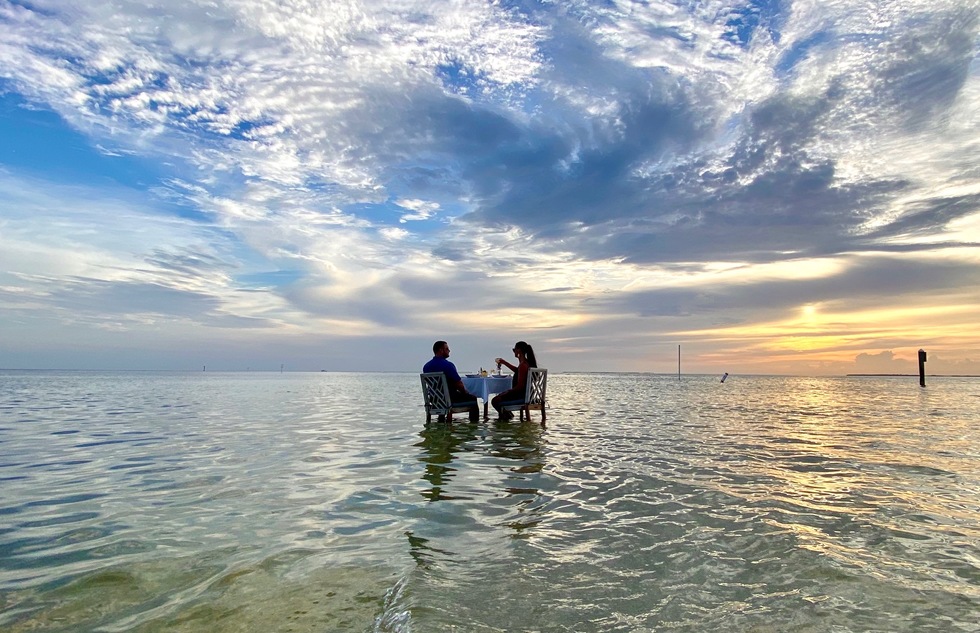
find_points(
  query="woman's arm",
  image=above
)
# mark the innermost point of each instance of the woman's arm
(501, 361)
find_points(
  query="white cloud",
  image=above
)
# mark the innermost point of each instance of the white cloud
(421, 210)
(578, 166)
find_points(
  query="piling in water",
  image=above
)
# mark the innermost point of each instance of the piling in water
(922, 368)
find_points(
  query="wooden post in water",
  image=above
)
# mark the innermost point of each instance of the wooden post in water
(922, 368)
(678, 362)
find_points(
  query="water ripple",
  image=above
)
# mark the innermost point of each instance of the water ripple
(189, 502)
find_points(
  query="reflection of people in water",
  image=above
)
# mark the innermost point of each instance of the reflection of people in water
(440, 444)
(516, 450)
(421, 551)
(524, 444)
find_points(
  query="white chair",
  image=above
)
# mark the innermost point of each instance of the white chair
(435, 394)
(534, 397)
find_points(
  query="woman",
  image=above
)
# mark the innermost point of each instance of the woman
(518, 388)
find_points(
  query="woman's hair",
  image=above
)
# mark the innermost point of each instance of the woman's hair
(528, 353)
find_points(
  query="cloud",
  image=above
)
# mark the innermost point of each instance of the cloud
(421, 210)
(887, 362)
(880, 363)
(578, 166)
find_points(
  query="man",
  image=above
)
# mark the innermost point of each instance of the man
(457, 392)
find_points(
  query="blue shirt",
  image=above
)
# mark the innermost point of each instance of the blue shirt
(438, 363)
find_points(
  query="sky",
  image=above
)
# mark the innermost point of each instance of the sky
(752, 187)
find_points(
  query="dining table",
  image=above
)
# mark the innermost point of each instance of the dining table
(485, 386)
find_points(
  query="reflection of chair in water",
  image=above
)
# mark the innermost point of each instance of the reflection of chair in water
(435, 394)
(534, 397)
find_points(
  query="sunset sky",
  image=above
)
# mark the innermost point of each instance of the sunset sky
(775, 186)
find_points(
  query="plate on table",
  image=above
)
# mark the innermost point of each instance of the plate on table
(472, 375)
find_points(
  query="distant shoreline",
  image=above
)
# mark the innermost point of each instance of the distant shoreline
(409, 371)
(927, 375)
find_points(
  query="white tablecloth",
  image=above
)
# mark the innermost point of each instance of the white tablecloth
(485, 386)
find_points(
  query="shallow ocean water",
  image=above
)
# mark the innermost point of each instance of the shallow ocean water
(143, 501)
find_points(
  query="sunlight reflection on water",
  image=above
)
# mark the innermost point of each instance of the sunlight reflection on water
(311, 502)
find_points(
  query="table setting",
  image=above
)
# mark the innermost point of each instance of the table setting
(485, 384)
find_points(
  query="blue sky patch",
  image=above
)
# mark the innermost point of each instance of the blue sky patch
(745, 21)
(40, 142)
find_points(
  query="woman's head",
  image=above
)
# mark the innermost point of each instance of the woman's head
(527, 352)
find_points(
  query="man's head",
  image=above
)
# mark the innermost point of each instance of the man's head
(441, 348)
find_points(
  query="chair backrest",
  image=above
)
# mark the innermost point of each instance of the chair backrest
(537, 385)
(435, 392)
